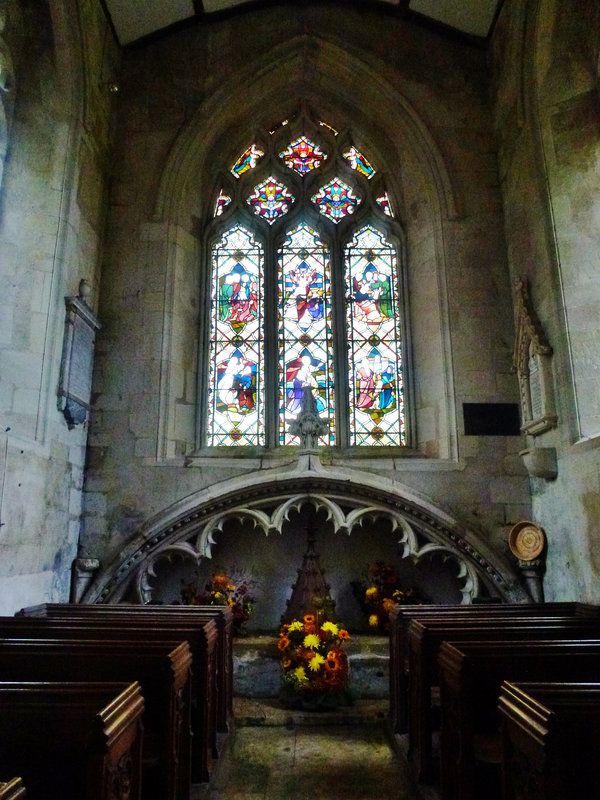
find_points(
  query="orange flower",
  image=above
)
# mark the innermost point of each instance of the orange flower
(309, 618)
(283, 643)
(220, 580)
(388, 604)
(286, 662)
(343, 634)
(309, 623)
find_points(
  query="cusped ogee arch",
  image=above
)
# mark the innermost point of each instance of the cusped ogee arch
(187, 529)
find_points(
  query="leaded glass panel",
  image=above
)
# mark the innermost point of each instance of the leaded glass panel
(235, 407)
(221, 203)
(247, 160)
(302, 155)
(359, 162)
(270, 200)
(384, 203)
(305, 336)
(335, 200)
(372, 314)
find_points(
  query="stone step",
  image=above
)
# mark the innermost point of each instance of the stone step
(268, 712)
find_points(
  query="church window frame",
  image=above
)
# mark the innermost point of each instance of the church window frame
(336, 234)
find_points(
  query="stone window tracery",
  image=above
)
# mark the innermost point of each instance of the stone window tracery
(306, 294)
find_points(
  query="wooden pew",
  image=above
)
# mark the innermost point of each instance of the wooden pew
(12, 790)
(550, 735)
(200, 636)
(163, 671)
(400, 618)
(72, 740)
(471, 674)
(425, 636)
(222, 616)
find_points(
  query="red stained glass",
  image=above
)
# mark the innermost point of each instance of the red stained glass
(303, 155)
(335, 200)
(384, 202)
(270, 200)
(223, 200)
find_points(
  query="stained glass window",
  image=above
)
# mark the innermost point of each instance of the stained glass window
(376, 398)
(305, 336)
(270, 200)
(302, 155)
(335, 200)
(236, 413)
(299, 304)
(384, 202)
(247, 160)
(359, 162)
(222, 201)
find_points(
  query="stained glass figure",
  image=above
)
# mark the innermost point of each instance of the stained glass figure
(235, 408)
(359, 162)
(223, 200)
(372, 303)
(270, 200)
(329, 128)
(305, 335)
(384, 202)
(335, 200)
(246, 161)
(303, 155)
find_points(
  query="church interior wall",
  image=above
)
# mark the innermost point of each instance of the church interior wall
(545, 93)
(430, 127)
(51, 219)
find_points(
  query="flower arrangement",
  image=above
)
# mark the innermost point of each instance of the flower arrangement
(381, 593)
(221, 591)
(315, 666)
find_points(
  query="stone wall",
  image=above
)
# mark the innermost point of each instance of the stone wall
(546, 114)
(52, 199)
(191, 102)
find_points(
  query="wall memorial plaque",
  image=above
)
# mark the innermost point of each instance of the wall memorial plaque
(533, 362)
(77, 364)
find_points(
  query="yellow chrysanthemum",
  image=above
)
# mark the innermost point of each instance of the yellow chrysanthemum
(330, 627)
(373, 621)
(296, 625)
(315, 663)
(300, 674)
(371, 593)
(311, 641)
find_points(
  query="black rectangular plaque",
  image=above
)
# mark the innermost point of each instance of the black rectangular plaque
(491, 419)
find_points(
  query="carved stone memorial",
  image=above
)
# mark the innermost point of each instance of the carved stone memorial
(77, 363)
(533, 363)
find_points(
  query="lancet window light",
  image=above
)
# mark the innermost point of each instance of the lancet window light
(306, 293)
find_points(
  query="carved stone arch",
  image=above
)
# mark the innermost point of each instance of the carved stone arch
(421, 528)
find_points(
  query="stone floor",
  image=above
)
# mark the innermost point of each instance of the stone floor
(280, 755)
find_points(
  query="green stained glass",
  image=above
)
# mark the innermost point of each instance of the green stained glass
(235, 407)
(376, 390)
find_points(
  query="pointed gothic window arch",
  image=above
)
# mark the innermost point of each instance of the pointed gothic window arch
(306, 290)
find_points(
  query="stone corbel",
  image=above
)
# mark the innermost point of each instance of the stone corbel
(82, 573)
(527, 542)
(540, 462)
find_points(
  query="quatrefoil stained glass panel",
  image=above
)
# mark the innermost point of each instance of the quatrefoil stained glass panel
(303, 155)
(270, 200)
(335, 200)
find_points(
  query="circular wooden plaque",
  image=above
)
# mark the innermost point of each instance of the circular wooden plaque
(526, 540)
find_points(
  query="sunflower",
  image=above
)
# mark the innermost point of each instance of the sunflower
(343, 634)
(286, 662)
(283, 642)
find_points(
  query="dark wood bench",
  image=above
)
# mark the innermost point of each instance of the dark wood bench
(12, 790)
(222, 616)
(550, 735)
(201, 637)
(400, 618)
(471, 674)
(163, 671)
(425, 636)
(73, 740)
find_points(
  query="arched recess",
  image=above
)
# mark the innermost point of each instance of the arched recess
(266, 91)
(187, 528)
